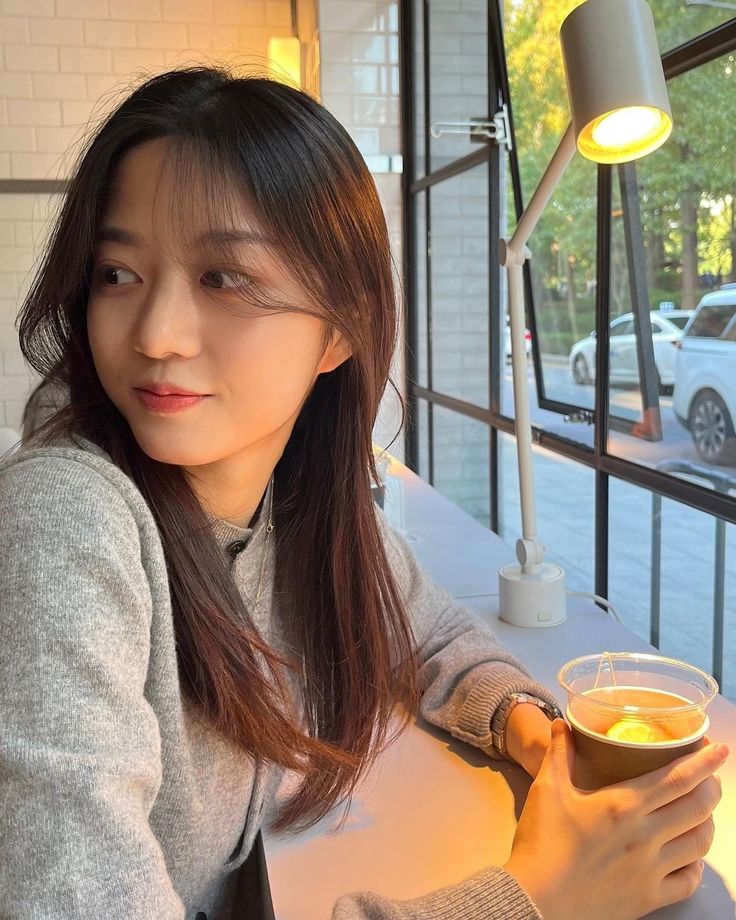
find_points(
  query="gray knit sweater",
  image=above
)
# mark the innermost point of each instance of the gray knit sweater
(117, 799)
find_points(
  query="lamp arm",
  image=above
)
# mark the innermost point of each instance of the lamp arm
(543, 192)
(514, 254)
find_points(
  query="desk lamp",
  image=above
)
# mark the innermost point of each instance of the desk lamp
(620, 112)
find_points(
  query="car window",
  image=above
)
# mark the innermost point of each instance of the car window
(657, 328)
(679, 321)
(623, 328)
(730, 334)
(711, 321)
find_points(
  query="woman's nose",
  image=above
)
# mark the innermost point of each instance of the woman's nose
(168, 323)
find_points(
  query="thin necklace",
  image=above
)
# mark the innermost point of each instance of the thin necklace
(269, 528)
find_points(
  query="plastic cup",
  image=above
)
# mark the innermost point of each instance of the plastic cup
(631, 713)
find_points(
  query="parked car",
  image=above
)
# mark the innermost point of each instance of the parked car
(507, 341)
(667, 330)
(705, 376)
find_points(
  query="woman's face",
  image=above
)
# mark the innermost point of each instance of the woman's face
(158, 315)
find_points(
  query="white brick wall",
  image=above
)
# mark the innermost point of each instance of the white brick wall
(360, 85)
(64, 62)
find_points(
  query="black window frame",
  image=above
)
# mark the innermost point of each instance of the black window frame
(691, 54)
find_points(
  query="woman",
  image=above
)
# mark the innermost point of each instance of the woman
(198, 592)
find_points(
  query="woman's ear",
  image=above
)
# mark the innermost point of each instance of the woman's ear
(336, 352)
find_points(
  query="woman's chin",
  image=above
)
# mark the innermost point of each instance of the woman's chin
(166, 449)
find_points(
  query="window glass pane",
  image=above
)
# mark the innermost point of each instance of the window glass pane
(688, 226)
(624, 393)
(625, 328)
(559, 382)
(458, 74)
(688, 577)
(730, 333)
(563, 269)
(710, 322)
(419, 125)
(462, 458)
(565, 498)
(423, 438)
(563, 264)
(678, 22)
(460, 284)
(420, 202)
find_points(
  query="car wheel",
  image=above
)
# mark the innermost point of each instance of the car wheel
(580, 372)
(711, 428)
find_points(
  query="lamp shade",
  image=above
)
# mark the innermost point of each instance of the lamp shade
(615, 82)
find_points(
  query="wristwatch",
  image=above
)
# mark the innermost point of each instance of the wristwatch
(501, 717)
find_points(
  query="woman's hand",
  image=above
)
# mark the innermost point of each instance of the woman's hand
(619, 852)
(528, 733)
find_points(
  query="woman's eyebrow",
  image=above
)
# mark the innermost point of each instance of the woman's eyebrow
(111, 234)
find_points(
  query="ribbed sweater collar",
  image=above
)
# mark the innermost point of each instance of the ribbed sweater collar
(225, 532)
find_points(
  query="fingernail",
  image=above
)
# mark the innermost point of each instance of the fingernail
(722, 751)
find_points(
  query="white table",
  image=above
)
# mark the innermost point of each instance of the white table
(392, 842)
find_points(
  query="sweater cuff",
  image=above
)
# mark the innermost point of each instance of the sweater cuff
(492, 894)
(496, 682)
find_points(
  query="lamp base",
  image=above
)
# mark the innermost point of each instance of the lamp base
(532, 600)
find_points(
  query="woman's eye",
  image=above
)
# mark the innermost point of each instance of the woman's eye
(218, 278)
(112, 275)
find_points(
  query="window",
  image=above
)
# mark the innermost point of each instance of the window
(730, 334)
(614, 457)
(624, 328)
(679, 321)
(710, 322)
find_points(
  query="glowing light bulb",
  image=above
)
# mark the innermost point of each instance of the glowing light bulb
(625, 127)
(637, 732)
(625, 134)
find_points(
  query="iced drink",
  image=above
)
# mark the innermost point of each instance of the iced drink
(633, 713)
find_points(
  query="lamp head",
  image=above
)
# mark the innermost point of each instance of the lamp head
(615, 82)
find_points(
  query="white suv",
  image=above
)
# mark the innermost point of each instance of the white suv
(705, 376)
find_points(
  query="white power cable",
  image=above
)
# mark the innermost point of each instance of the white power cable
(599, 600)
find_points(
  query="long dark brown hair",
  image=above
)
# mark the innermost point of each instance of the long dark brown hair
(309, 189)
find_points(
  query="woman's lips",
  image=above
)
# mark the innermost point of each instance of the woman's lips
(174, 402)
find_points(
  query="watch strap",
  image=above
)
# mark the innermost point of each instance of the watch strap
(502, 713)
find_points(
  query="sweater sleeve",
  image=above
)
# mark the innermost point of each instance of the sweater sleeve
(492, 894)
(465, 672)
(80, 758)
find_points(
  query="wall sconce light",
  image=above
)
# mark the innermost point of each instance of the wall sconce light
(285, 60)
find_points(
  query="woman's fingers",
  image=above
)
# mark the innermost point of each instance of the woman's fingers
(559, 761)
(688, 847)
(671, 782)
(685, 813)
(681, 884)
